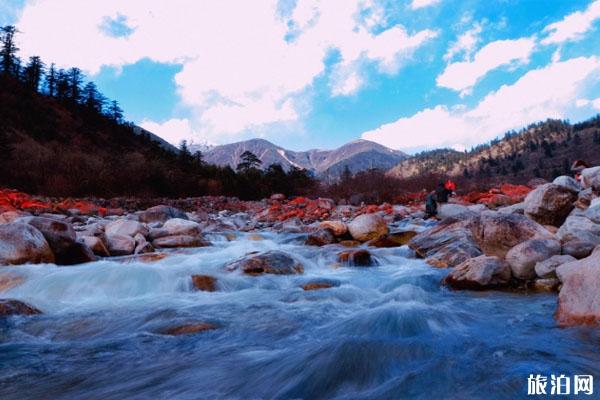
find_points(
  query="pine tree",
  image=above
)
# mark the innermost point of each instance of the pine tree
(248, 161)
(91, 98)
(51, 80)
(75, 79)
(115, 112)
(9, 61)
(33, 73)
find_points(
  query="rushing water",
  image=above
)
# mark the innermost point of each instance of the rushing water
(385, 332)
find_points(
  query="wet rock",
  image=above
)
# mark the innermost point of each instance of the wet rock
(591, 178)
(180, 241)
(321, 237)
(141, 245)
(270, 262)
(10, 307)
(568, 182)
(546, 285)
(454, 211)
(120, 245)
(62, 239)
(188, 329)
(547, 269)
(496, 233)
(338, 228)
(357, 258)
(550, 204)
(578, 248)
(446, 245)
(580, 228)
(579, 298)
(204, 283)
(96, 245)
(144, 258)
(523, 257)
(161, 213)
(367, 227)
(22, 243)
(350, 243)
(126, 227)
(317, 284)
(9, 280)
(483, 272)
(395, 239)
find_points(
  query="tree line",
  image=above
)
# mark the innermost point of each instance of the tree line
(60, 136)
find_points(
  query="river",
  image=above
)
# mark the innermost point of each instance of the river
(385, 332)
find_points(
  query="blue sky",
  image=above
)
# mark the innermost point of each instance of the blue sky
(411, 75)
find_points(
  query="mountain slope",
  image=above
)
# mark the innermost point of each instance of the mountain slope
(358, 155)
(544, 150)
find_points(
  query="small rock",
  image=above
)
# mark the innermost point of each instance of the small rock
(120, 245)
(321, 237)
(204, 283)
(578, 248)
(338, 228)
(188, 329)
(10, 307)
(546, 285)
(270, 262)
(357, 258)
(179, 241)
(96, 245)
(126, 227)
(161, 213)
(319, 284)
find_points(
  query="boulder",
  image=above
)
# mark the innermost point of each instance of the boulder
(62, 239)
(204, 283)
(593, 214)
(550, 204)
(126, 227)
(270, 262)
(578, 248)
(483, 272)
(395, 239)
(518, 208)
(523, 257)
(10, 216)
(96, 245)
(356, 258)
(22, 243)
(177, 226)
(496, 233)
(120, 245)
(579, 228)
(547, 269)
(321, 237)
(141, 245)
(161, 213)
(338, 228)
(447, 244)
(449, 210)
(367, 227)
(568, 182)
(591, 178)
(579, 298)
(10, 307)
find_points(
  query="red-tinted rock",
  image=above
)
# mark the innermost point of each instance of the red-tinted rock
(10, 307)
(204, 283)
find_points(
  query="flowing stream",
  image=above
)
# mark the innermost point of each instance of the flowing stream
(384, 332)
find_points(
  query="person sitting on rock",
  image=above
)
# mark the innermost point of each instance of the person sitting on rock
(439, 196)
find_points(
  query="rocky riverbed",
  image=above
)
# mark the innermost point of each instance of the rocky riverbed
(298, 297)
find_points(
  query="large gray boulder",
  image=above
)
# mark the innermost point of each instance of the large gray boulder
(578, 248)
(177, 226)
(523, 257)
(120, 245)
(591, 178)
(161, 213)
(550, 204)
(568, 182)
(547, 269)
(449, 210)
(579, 228)
(126, 227)
(367, 227)
(270, 262)
(483, 272)
(23, 244)
(579, 298)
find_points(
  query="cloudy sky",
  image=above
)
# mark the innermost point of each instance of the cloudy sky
(410, 74)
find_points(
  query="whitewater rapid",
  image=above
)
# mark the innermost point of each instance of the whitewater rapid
(390, 331)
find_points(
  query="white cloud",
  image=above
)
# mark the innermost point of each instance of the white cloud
(463, 75)
(244, 65)
(574, 26)
(416, 4)
(173, 130)
(465, 44)
(549, 92)
(594, 103)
